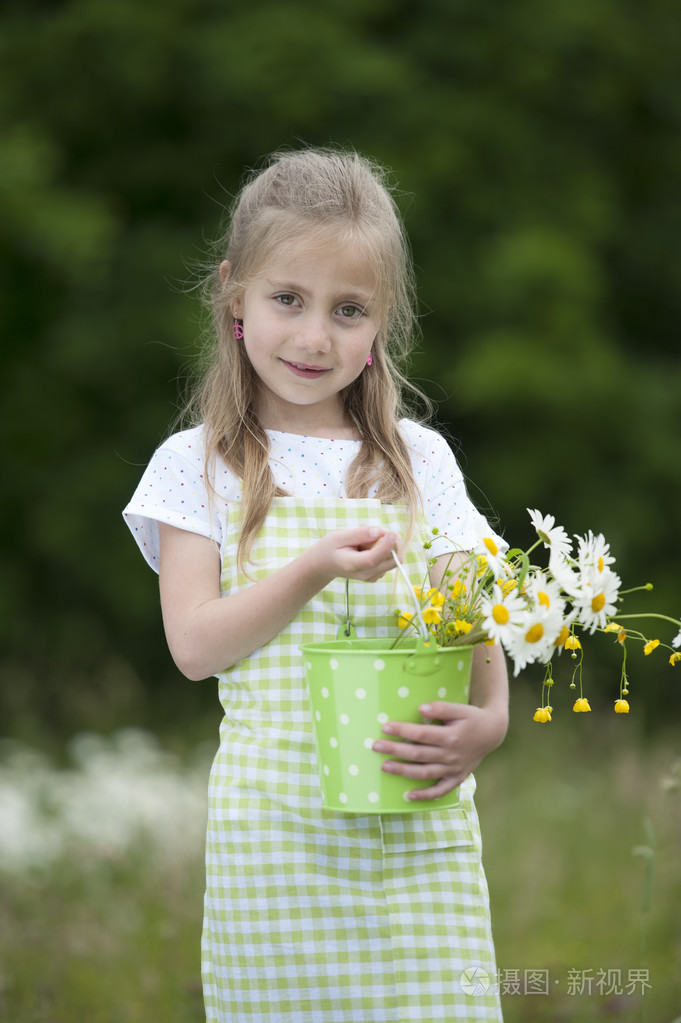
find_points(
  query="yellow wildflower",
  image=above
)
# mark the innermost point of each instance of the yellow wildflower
(418, 590)
(436, 598)
(581, 705)
(462, 627)
(612, 627)
(457, 589)
(621, 707)
(431, 616)
(572, 643)
(621, 635)
(542, 714)
(404, 618)
(650, 646)
(675, 658)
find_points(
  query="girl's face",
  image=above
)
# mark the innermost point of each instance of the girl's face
(310, 319)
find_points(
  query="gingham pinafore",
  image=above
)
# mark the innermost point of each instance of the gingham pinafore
(313, 916)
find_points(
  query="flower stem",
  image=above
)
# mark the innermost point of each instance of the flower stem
(651, 614)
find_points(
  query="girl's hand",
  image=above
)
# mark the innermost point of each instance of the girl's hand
(446, 753)
(363, 553)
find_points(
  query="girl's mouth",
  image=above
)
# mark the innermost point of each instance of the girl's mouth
(300, 369)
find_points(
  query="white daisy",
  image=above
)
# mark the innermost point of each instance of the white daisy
(594, 552)
(494, 555)
(502, 613)
(549, 533)
(676, 642)
(596, 598)
(545, 592)
(533, 639)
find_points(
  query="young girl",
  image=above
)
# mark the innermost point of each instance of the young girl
(300, 476)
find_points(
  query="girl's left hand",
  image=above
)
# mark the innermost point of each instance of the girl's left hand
(445, 753)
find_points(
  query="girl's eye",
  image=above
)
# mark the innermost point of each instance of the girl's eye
(287, 299)
(350, 312)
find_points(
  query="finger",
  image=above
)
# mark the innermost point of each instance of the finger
(412, 753)
(446, 711)
(418, 772)
(442, 787)
(424, 734)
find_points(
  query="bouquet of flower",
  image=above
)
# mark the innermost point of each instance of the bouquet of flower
(499, 596)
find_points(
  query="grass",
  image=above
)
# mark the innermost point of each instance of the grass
(107, 931)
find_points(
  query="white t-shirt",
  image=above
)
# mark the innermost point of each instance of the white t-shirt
(173, 488)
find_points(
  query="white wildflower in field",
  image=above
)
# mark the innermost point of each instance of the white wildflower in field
(119, 795)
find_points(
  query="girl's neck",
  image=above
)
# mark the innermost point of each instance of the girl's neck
(337, 426)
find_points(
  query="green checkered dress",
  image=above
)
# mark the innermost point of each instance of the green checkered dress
(313, 916)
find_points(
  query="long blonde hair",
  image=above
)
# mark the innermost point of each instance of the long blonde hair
(311, 194)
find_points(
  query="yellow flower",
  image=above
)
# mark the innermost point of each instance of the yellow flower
(675, 658)
(542, 714)
(436, 598)
(458, 589)
(431, 616)
(572, 643)
(462, 627)
(581, 705)
(650, 646)
(621, 636)
(404, 618)
(419, 592)
(612, 627)
(621, 707)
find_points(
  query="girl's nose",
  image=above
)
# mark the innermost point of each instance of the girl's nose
(314, 335)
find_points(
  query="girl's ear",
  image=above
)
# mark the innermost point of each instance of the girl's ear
(225, 270)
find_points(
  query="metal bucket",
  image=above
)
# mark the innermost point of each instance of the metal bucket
(355, 686)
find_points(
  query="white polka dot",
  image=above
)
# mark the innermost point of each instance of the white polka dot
(353, 769)
(373, 797)
(318, 715)
(342, 798)
(344, 719)
(379, 665)
(333, 664)
(381, 718)
(360, 694)
(442, 692)
(308, 666)
(459, 666)
(333, 742)
(327, 770)
(403, 691)
(325, 692)
(369, 743)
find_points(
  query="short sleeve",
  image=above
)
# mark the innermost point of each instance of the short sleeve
(446, 503)
(173, 490)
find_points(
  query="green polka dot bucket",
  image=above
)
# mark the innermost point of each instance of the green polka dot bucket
(357, 685)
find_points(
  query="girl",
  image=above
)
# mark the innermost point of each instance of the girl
(302, 475)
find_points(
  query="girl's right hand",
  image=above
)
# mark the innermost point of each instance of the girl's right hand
(363, 553)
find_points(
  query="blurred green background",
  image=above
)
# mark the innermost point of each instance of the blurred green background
(537, 149)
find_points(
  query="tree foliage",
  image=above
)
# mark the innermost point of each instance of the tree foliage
(539, 154)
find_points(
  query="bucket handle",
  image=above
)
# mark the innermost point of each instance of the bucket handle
(421, 626)
(423, 660)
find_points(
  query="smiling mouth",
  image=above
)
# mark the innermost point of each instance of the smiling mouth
(300, 369)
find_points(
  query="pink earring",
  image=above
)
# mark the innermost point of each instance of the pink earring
(239, 330)
(370, 359)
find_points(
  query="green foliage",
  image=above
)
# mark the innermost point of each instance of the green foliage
(539, 150)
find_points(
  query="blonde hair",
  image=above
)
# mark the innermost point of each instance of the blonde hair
(301, 196)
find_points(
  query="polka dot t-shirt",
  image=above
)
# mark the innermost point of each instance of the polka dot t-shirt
(173, 487)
